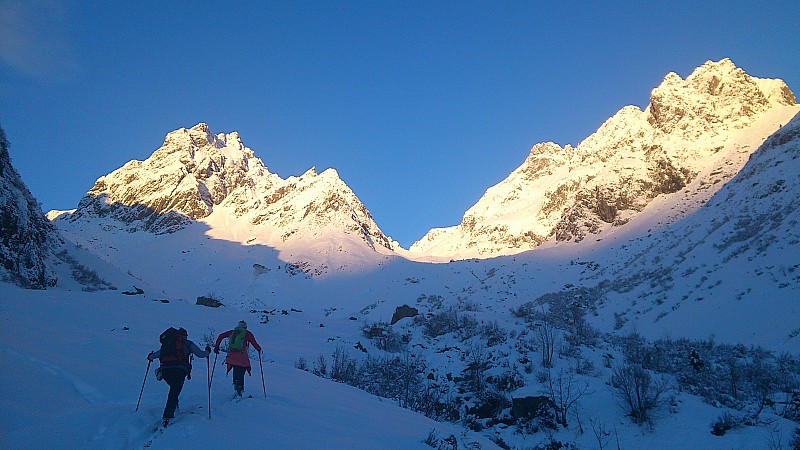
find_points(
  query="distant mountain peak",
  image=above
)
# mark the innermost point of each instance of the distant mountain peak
(692, 130)
(714, 98)
(196, 172)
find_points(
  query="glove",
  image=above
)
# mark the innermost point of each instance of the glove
(208, 349)
(150, 356)
(216, 350)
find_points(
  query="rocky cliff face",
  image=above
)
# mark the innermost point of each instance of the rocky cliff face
(693, 136)
(733, 261)
(195, 173)
(27, 239)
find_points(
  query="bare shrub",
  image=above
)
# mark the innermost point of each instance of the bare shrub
(477, 364)
(321, 366)
(638, 391)
(448, 321)
(547, 336)
(564, 391)
(493, 333)
(724, 423)
(209, 337)
(343, 366)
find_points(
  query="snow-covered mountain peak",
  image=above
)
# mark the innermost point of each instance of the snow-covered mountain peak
(200, 138)
(715, 98)
(192, 172)
(197, 175)
(729, 268)
(694, 134)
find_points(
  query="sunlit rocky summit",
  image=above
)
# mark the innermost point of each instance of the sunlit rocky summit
(694, 136)
(198, 175)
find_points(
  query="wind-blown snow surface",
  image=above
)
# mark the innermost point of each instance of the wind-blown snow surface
(73, 365)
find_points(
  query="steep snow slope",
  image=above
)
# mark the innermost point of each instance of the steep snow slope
(196, 173)
(694, 135)
(728, 270)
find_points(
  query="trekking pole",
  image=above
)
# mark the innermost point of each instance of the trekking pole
(213, 368)
(262, 375)
(145, 379)
(208, 378)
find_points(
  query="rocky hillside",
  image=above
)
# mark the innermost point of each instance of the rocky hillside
(27, 239)
(694, 136)
(729, 267)
(195, 173)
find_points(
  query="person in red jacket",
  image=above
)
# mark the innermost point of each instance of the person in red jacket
(239, 341)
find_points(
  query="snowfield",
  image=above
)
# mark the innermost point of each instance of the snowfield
(73, 382)
(688, 290)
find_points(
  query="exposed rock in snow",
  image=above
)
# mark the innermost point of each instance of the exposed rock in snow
(27, 239)
(729, 269)
(694, 135)
(195, 173)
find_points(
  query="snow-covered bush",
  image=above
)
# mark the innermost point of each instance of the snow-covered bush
(384, 337)
(493, 333)
(301, 364)
(724, 423)
(509, 380)
(400, 378)
(795, 443)
(88, 279)
(731, 375)
(449, 320)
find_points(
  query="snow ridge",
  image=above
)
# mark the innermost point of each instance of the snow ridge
(693, 136)
(196, 173)
(729, 265)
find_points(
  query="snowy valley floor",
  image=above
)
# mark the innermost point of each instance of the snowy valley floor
(72, 373)
(73, 363)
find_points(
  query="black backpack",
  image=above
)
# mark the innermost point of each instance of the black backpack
(173, 353)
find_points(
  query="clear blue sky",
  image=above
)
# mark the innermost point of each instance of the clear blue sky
(420, 106)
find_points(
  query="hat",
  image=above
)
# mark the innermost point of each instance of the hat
(242, 324)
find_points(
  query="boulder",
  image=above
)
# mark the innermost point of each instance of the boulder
(401, 312)
(208, 301)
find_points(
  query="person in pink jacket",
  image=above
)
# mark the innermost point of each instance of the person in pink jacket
(239, 341)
